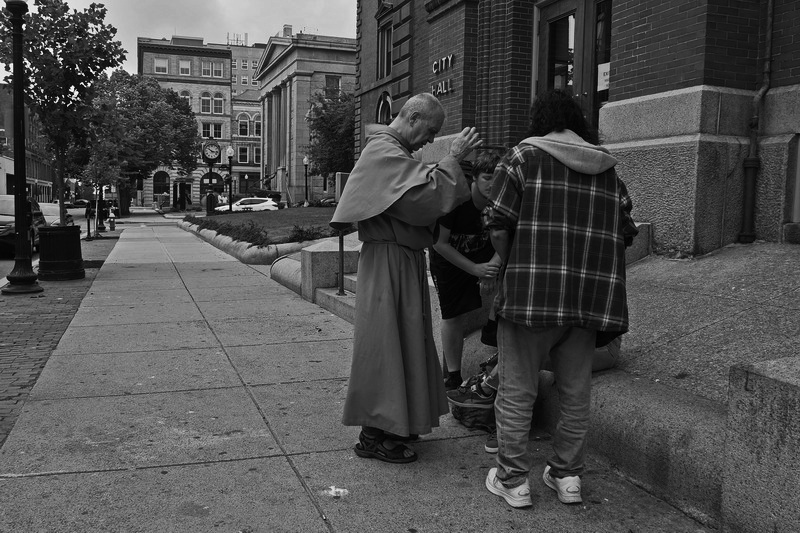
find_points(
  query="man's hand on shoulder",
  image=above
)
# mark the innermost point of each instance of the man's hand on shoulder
(466, 141)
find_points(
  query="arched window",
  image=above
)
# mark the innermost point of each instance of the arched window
(218, 103)
(244, 124)
(205, 103)
(186, 96)
(383, 113)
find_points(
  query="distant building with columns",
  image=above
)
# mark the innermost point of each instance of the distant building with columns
(292, 69)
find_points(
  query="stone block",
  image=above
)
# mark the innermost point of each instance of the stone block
(320, 266)
(762, 453)
(791, 233)
(343, 306)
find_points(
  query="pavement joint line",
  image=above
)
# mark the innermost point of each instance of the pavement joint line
(311, 495)
(181, 349)
(138, 468)
(129, 394)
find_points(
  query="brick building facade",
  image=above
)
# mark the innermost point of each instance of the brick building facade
(216, 80)
(698, 99)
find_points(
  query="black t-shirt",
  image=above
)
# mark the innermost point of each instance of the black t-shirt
(467, 234)
(464, 219)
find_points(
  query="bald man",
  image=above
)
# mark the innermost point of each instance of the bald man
(396, 391)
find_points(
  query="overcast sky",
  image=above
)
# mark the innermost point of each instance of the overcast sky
(215, 19)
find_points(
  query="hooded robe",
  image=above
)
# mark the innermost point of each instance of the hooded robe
(395, 379)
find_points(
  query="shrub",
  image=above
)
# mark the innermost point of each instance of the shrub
(249, 232)
(310, 233)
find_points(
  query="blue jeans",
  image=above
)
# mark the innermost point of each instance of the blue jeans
(522, 351)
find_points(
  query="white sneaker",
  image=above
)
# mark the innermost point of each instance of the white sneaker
(568, 488)
(516, 497)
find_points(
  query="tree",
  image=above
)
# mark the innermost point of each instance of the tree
(331, 124)
(65, 51)
(138, 126)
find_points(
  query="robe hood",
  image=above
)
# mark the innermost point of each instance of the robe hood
(383, 173)
(575, 153)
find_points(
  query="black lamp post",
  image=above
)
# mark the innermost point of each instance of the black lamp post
(22, 279)
(209, 203)
(229, 153)
(305, 164)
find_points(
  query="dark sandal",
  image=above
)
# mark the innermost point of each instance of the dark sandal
(373, 448)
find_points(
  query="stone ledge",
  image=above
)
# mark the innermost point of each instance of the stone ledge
(762, 452)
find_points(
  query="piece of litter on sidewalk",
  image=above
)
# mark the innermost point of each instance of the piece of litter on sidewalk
(336, 492)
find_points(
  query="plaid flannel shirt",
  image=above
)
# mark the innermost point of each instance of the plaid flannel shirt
(567, 234)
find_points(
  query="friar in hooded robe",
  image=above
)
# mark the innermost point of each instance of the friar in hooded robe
(396, 391)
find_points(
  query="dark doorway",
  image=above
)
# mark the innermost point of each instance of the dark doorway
(575, 51)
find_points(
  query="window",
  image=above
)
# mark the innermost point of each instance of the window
(185, 68)
(383, 115)
(257, 126)
(385, 50)
(233, 78)
(257, 155)
(217, 131)
(332, 85)
(254, 82)
(254, 63)
(187, 97)
(244, 127)
(205, 103)
(243, 153)
(206, 130)
(217, 73)
(245, 81)
(218, 101)
(205, 69)
(161, 66)
(234, 63)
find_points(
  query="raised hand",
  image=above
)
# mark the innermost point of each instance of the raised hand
(467, 140)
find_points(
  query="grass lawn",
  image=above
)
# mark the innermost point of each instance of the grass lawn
(272, 227)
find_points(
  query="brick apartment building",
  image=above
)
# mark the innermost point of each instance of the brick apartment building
(40, 180)
(293, 68)
(217, 81)
(698, 99)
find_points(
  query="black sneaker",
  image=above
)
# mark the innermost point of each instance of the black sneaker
(471, 397)
(491, 443)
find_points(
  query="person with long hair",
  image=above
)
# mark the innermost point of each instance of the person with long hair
(559, 218)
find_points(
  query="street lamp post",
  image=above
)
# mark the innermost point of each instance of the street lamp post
(229, 153)
(210, 204)
(21, 279)
(305, 164)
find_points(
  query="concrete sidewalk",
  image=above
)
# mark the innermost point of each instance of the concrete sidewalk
(193, 393)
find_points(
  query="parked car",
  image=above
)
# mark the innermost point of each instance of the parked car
(80, 202)
(67, 204)
(8, 223)
(51, 215)
(250, 204)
